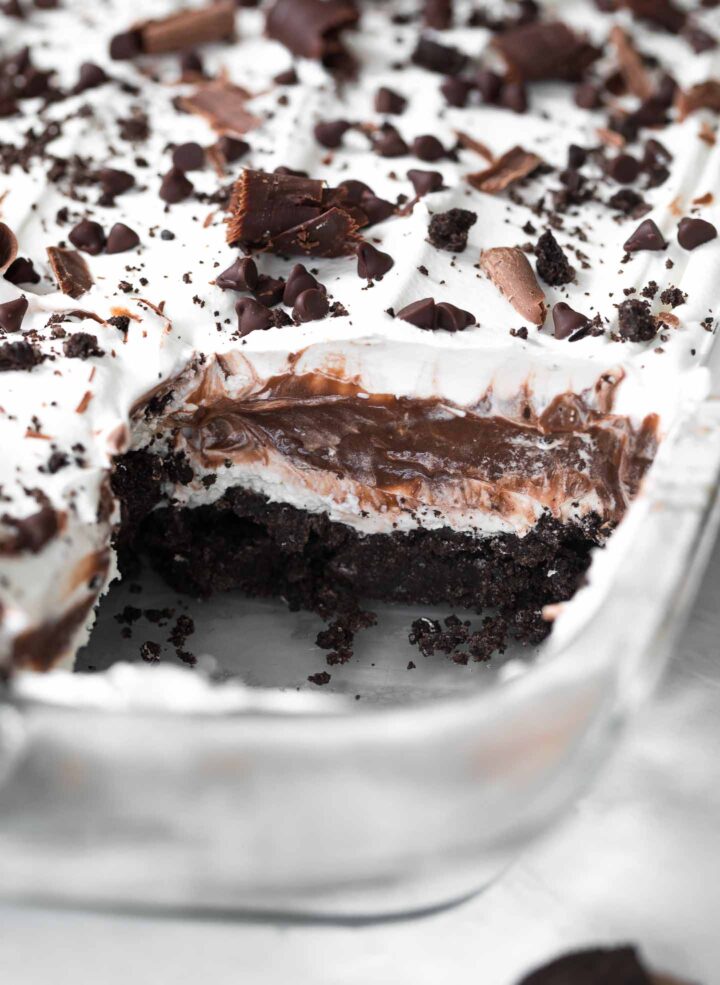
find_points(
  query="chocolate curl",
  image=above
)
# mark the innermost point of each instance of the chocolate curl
(545, 50)
(177, 32)
(311, 28)
(70, 270)
(223, 106)
(8, 246)
(509, 270)
(514, 165)
(632, 69)
(286, 214)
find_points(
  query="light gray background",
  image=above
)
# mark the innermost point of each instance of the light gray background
(638, 860)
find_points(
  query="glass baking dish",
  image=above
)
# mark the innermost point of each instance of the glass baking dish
(240, 787)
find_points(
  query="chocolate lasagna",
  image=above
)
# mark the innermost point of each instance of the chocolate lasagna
(343, 300)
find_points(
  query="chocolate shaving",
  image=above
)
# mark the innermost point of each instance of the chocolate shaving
(71, 272)
(631, 65)
(704, 95)
(287, 214)
(514, 165)
(510, 271)
(223, 106)
(545, 50)
(177, 32)
(311, 28)
(470, 143)
(8, 246)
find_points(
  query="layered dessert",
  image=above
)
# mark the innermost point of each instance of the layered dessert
(343, 301)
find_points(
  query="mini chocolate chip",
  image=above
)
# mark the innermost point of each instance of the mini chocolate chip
(287, 78)
(311, 305)
(489, 85)
(694, 232)
(387, 142)
(12, 314)
(90, 76)
(588, 95)
(191, 62)
(232, 149)
(452, 319)
(635, 321)
(167, 234)
(456, 91)
(389, 102)
(269, 290)
(449, 230)
(114, 182)
(175, 187)
(241, 275)
(566, 320)
(252, 316)
(376, 209)
(428, 148)
(88, 236)
(624, 169)
(188, 157)
(300, 279)
(373, 264)
(22, 271)
(425, 182)
(126, 45)
(81, 345)
(513, 95)
(577, 156)
(419, 313)
(121, 238)
(329, 133)
(647, 236)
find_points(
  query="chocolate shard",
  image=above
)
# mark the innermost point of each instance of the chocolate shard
(510, 271)
(704, 95)
(177, 32)
(223, 105)
(694, 232)
(632, 67)
(287, 214)
(647, 236)
(12, 314)
(512, 166)
(70, 270)
(312, 28)
(544, 50)
(8, 247)
(429, 315)
(566, 320)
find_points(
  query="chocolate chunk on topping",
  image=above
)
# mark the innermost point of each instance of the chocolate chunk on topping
(176, 187)
(8, 246)
(449, 230)
(551, 262)
(288, 214)
(300, 280)
(624, 168)
(82, 345)
(242, 275)
(694, 232)
(176, 32)
(438, 14)
(436, 57)
(12, 314)
(545, 50)
(223, 105)
(389, 102)
(90, 76)
(313, 28)
(425, 182)
(567, 321)
(71, 272)
(647, 236)
(18, 356)
(635, 321)
(114, 182)
(231, 149)
(512, 166)
(22, 271)
(252, 316)
(88, 236)
(388, 142)
(188, 157)
(509, 270)
(121, 238)
(373, 264)
(661, 13)
(329, 133)
(430, 315)
(597, 966)
(428, 148)
(311, 305)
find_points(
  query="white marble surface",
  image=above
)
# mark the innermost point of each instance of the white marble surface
(638, 860)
